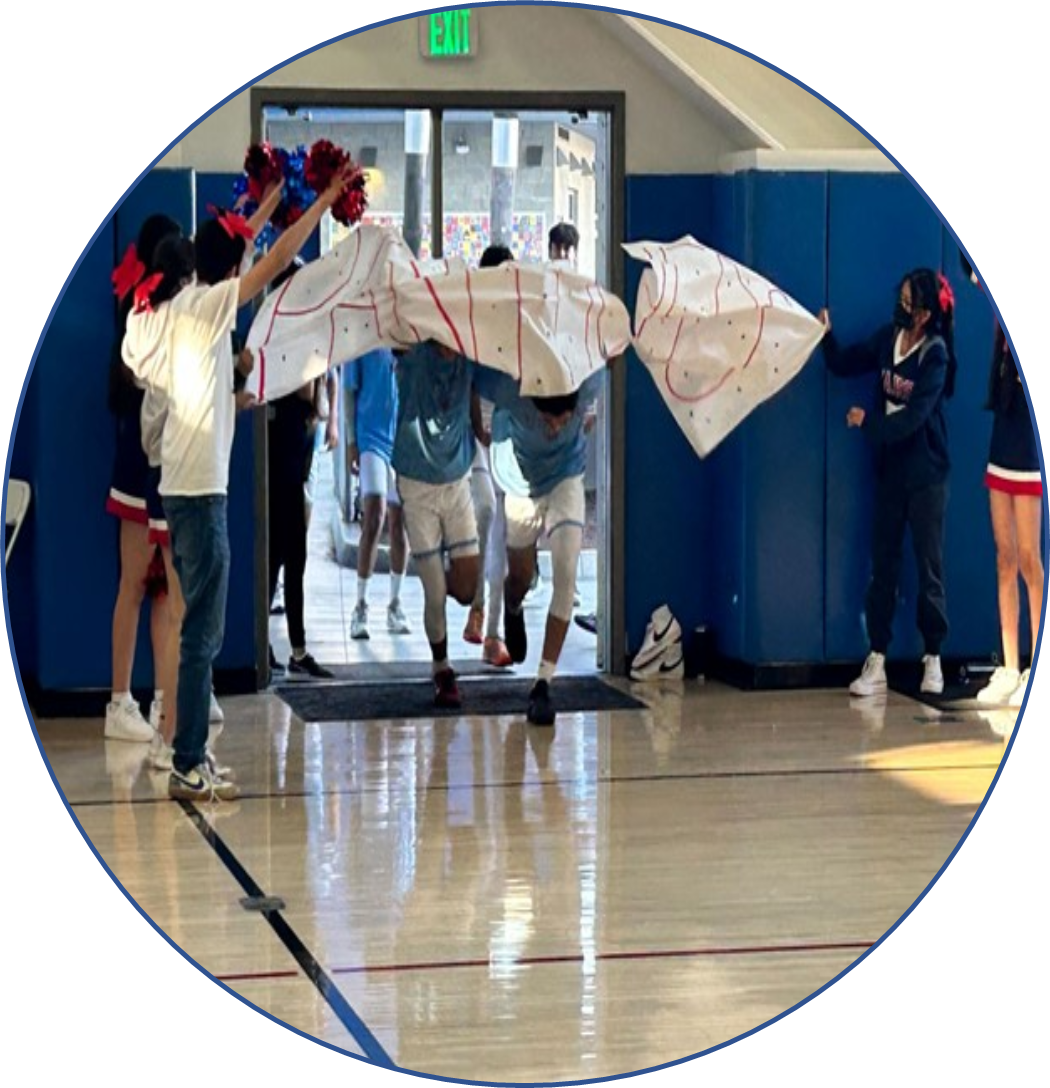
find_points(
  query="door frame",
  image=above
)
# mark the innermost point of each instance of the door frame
(613, 646)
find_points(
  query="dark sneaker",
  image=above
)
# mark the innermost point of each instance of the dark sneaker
(307, 666)
(446, 690)
(588, 621)
(541, 709)
(515, 635)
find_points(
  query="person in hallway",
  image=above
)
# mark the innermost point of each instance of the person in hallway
(538, 459)
(370, 389)
(433, 453)
(481, 629)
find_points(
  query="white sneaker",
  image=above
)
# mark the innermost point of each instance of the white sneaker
(200, 784)
(1001, 687)
(932, 677)
(359, 622)
(215, 714)
(661, 633)
(1018, 694)
(670, 665)
(872, 679)
(156, 712)
(159, 754)
(124, 721)
(396, 623)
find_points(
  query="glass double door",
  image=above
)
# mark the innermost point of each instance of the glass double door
(453, 182)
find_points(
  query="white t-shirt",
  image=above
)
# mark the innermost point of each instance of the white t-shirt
(183, 351)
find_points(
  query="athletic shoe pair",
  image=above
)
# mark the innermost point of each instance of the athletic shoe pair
(396, 623)
(660, 656)
(872, 679)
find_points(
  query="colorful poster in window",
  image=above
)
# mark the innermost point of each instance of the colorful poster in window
(467, 234)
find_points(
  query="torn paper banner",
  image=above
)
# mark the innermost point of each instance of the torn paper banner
(544, 325)
(717, 338)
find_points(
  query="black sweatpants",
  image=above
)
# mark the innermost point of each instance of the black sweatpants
(923, 511)
(291, 447)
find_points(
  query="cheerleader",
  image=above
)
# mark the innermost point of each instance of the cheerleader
(1015, 493)
(129, 498)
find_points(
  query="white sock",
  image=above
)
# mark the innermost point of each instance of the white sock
(298, 654)
(362, 590)
(395, 588)
(440, 666)
(123, 697)
(546, 671)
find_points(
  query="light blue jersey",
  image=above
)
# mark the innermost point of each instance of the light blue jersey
(434, 443)
(372, 379)
(527, 460)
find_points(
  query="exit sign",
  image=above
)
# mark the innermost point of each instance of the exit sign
(449, 34)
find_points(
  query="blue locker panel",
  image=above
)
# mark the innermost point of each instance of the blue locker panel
(668, 499)
(879, 227)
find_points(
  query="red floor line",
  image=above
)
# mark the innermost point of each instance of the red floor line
(534, 961)
(671, 953)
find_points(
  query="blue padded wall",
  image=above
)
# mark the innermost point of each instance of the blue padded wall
(20, 573)
(784, 485)
(668, 503)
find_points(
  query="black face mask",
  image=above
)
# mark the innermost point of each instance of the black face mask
(901, 318)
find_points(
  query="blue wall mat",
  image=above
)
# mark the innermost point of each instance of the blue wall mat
(784, 481)
(74, 551)
(668, 497)
(969, 545)
(169, 192)
(879, 227)
(726, 465)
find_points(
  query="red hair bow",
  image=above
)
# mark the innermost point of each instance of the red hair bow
(946, 296)
(144, 292)
(233, 223)
(128, 273)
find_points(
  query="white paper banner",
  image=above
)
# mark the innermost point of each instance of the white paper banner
(546, 326)
(717, 338)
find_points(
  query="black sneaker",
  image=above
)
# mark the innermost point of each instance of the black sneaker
(307, 666)
(515, 635)
(446, 690)
(588, 621)
(541, 709)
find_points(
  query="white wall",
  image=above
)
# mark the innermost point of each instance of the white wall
(670, 127)
(791, 115)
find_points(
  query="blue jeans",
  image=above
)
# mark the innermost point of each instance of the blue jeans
(200, 549)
